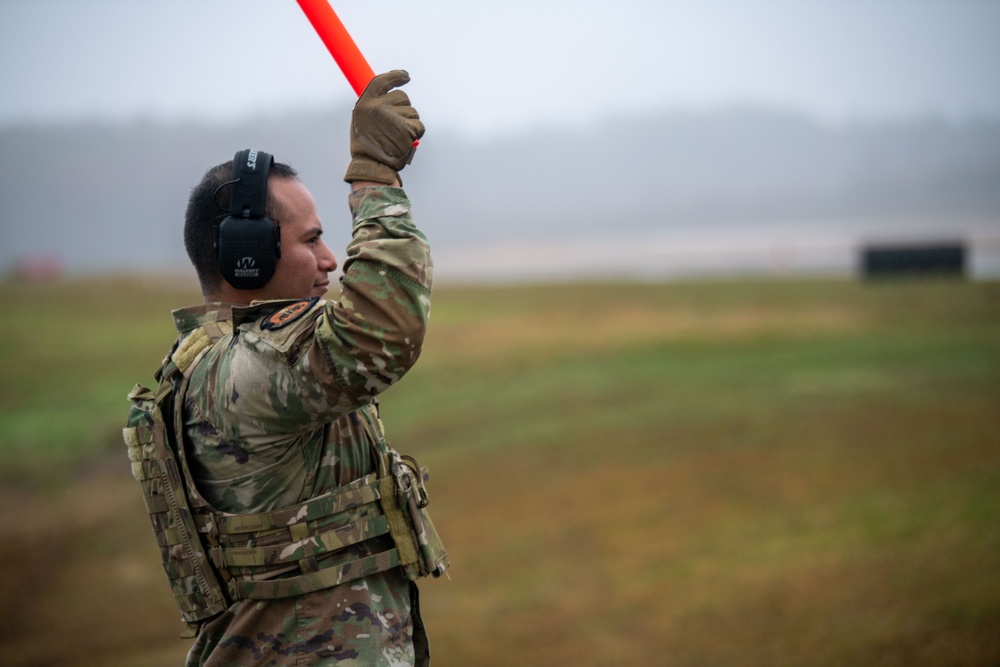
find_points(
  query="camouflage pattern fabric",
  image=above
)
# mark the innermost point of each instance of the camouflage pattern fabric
(273, 417)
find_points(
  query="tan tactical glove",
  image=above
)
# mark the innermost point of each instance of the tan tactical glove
(383, 129)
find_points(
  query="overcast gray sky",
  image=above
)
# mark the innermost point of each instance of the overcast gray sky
(485, 67)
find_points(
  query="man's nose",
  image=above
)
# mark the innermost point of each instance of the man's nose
(327, 260)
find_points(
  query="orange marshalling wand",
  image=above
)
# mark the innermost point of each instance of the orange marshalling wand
(339, 43)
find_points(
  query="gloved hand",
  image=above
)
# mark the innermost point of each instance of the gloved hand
(383, 129)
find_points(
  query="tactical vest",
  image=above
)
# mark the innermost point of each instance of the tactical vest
(214, 559)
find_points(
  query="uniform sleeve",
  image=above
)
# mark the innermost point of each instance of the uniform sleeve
(272, 384)
(374, 333)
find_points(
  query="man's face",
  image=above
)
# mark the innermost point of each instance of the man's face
(305, 260)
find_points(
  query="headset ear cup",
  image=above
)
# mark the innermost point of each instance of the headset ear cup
(247, 252)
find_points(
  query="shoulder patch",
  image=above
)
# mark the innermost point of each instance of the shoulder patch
(287, 314)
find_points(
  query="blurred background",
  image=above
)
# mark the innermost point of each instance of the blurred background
(673, 416)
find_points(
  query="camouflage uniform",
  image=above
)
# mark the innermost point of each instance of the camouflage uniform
(280, 410)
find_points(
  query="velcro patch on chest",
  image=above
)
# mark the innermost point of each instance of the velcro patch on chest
(287, 314)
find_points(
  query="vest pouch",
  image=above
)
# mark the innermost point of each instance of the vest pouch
(404, 502)
(421, 550)
(433, 557)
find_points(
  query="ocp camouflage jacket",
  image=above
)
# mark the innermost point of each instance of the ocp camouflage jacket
(280, 409)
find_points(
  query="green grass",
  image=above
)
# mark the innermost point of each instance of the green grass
(73, 352)
(704, 473)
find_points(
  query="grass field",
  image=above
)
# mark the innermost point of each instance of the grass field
(697, 473)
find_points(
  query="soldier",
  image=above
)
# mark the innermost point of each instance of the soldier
(290, 530)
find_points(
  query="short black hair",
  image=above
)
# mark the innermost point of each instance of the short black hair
(208, 202)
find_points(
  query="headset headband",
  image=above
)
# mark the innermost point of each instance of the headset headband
(248, 195)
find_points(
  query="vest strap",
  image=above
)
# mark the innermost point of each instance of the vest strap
(321, 543)
(315, 581)
(359, 492)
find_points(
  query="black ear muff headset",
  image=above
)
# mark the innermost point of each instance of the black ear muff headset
(247, 242)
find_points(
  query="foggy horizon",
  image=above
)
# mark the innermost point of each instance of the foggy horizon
(484, 70)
